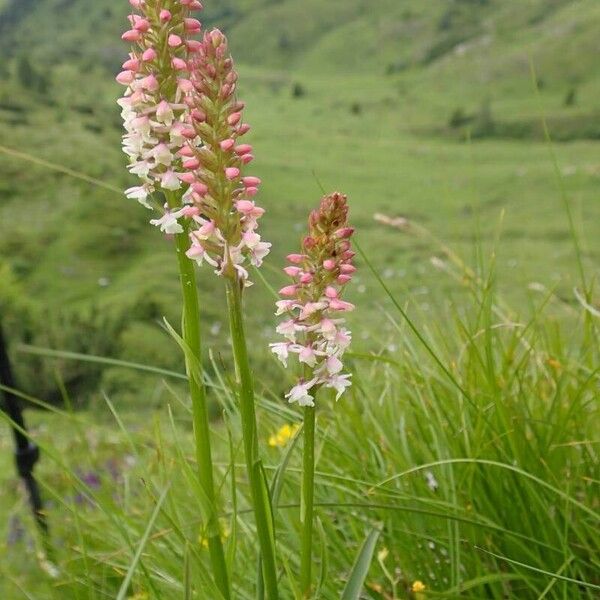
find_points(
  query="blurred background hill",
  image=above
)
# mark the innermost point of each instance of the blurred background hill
(420, 110)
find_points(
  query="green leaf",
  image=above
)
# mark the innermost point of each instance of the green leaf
(361, 567)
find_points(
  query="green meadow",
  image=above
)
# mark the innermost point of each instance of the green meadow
(466, 135)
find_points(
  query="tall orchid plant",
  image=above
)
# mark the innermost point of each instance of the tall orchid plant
(184, 129)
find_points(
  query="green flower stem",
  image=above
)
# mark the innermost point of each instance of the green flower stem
(192, 339)
(260, 500)
(307, 502)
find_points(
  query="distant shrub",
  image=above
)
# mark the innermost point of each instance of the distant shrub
(459, 118)
(571, 97)
(298, 90)
(483, 123)
(356, 108)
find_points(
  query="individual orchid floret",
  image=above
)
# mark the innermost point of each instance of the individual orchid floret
(313, 306)
(226, 214)
(154, 111)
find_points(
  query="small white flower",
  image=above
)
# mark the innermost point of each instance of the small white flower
(170, 181)
(339, 383)
(140, 193)
(299, 393)
(281, 350)
(168, 222)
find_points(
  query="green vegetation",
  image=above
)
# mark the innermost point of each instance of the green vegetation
(422, 112)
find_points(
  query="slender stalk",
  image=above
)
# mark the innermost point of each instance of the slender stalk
(307, 504)
(192, 338)
(249, 430)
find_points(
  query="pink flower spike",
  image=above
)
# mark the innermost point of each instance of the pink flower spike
(329, 264)
(165, 15)
(174, 41)
(331, 292)
(149, 55)
(251, 181)
(125, 77)
(192, 164)
(232, 173)
(288, 290)
(295, 259)
(243, 149)
(234, 118)
(227, 145)
(133, 35)
(142, 25)
(179, 64)
(292, 271)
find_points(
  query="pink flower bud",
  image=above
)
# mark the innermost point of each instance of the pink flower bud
(345, 232)
(295, 259)
(188, 133)
(288, 290)
(192, 164)
(216, 37)
(174, 41)
(133, 64)
(125, 77)
(133, 35)
(347, 269)
(198, 115)
(195, 5)
(344, 279)
(187, 177)
(192, 25)
(227, 145)
(331, 292)
(306, 278)
(190, 211)
(329, 264)
(243, 149)
(185, 85)
(251, 181)
(200, 188)
(232, 173)
(243, 129)
(179, 64)
(149, 55)
(186, 151)
(348, 255)
(193, 45)
(247, 158)
(234, 119)
(165, 15)
(149, 83)
(251, 191)
(136, 3)
(292, 271)
(142, 25)
(337, 304)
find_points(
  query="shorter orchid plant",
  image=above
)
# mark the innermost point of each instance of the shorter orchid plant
(314, 328)
(315, 332)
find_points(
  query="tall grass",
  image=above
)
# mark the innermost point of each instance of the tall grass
(470, 443)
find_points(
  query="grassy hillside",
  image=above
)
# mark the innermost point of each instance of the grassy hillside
(376, 99)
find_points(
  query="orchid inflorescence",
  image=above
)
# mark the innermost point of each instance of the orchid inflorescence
(220, 195)
(314, 329)
(184, 126)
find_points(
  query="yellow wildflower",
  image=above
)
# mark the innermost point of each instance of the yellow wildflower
(283, 436)
(225, 533)
(418, 586)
